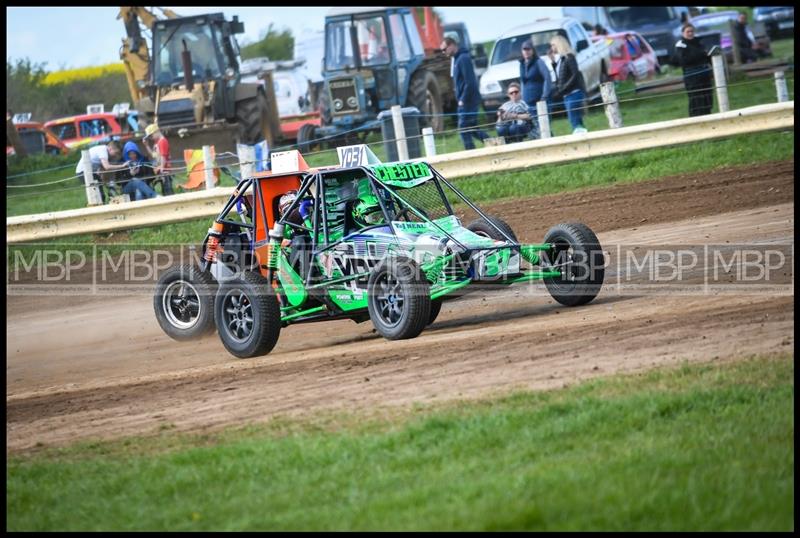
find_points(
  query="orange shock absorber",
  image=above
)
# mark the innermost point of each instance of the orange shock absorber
(213, 246)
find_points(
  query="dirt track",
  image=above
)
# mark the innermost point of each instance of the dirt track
(103, 368)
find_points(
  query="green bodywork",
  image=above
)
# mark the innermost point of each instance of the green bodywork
(342, 261)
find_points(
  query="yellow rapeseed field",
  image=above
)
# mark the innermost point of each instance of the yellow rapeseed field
(83, 73)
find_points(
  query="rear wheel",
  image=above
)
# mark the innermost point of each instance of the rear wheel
(253, 120)
(248, 315)
(399, 299)
(184, 302)
(483, 227)
(424, 94)
(577, 254)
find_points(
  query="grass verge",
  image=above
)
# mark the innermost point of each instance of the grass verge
(697, 447)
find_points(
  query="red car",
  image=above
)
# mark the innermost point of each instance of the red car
(632, 57)
(85, 129)
(36, 138)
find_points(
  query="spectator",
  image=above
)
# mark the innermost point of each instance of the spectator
(749, 48)
(100, 157)
(570, 86)
(136, 187)
(535, 78)
(513, 116)
(466, 86)
(160, 157)
(692, 57)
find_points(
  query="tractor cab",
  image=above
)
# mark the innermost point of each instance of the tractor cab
(195, 69)
(369, 58)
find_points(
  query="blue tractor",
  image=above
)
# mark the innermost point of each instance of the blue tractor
(376, 58)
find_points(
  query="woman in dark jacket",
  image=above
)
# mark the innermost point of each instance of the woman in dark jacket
(570, 85)
(535, 79)
(693, 58)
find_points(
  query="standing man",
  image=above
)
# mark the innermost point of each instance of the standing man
(466, 92)
(100, 158)
(743, 38)
(160, 156)
(693, 58)
(535, 79)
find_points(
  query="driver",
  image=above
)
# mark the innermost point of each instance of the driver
(367, 211)
(301, 214)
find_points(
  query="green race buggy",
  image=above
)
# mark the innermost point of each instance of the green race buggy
(379, 242)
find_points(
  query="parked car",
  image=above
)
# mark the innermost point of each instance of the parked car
(720, 21)
(36, 138)
(632, 57)
(660, 25)
(593, 57)
(778, 21)
(87, 129)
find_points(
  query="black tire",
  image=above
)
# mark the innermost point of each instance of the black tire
(424, 94)
(253, 120)
(581, 279)
(184, 302)
(305, 136)
(398, 299)
(248, 315)
(436, 307)
(482, 227)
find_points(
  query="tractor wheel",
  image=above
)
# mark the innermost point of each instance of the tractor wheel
(399, 299)
(423, 93)
(252, 115)
(184, 302)
(248, 315)
(577, 254)
(305, 138)
(482, 227)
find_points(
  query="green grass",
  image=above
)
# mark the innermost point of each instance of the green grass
(701, 447)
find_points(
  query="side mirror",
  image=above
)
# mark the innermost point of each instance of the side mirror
(236, 26)
(582, 45)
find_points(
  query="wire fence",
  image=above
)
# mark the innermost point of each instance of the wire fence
(228, 162)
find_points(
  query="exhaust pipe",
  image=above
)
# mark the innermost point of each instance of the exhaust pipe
(188, 75)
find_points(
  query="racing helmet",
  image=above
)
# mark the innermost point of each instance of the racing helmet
(285, 201)
(367, 211)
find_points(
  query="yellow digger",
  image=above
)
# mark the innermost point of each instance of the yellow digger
(189, 82)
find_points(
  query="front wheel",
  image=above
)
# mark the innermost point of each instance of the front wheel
(399, 299)
(184, 302)
(576, 253)
(248, 315)
(305, 137)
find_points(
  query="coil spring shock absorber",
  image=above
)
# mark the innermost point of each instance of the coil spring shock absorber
(275, 238)
(213, 245)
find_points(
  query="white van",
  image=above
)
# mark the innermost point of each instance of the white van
(593, 57)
